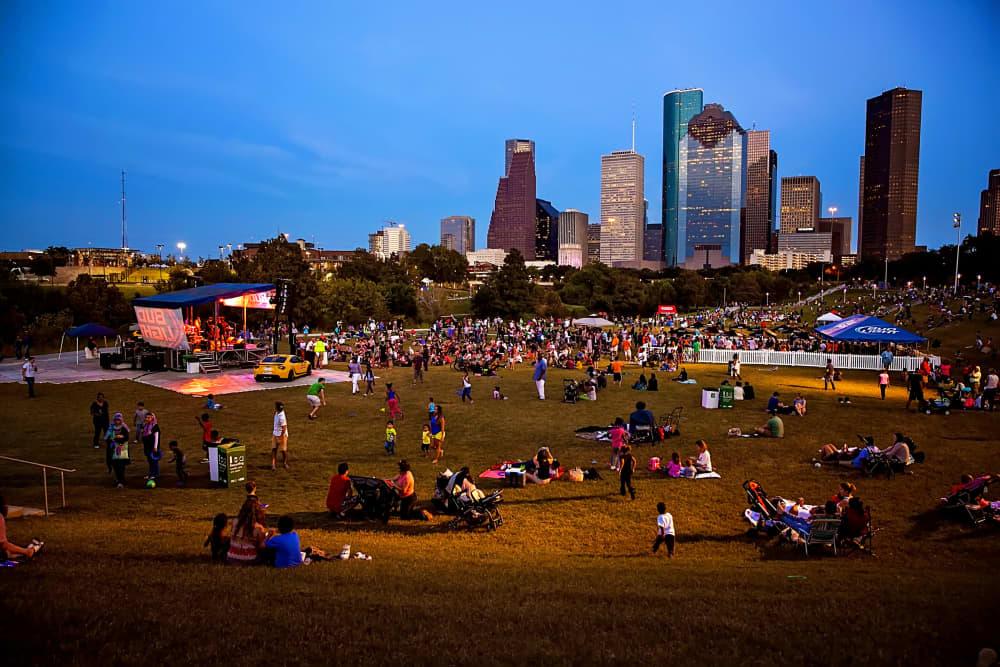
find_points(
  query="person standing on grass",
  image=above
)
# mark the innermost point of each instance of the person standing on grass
(139, 420)
(29, 369)
(828, 376)
(541, 367)
(418, 370)
(616, 371)
(354, 370)
(619, 437)
(180, 463)
(625, 472)
(150, 436)
(664, 530)
(279, 436)
(117, 443)
(392, 402)
(437, 433)
(369, 379)
(883, 381)
(316, 395)
(466, 388)
(100, 415)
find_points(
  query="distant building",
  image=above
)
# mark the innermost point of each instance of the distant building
(622, 209)
(712, 168)
(573, 241)
(762, 185)
(989, 205)
(801, 201)
(787, 259)
(392, 240)
(679, 107)
(513, 222)
(546, 231)
(888, 224)
(593, 242)
(652, 242)
(494, 256)
(840, 230)
(458, 233)
(807, 242)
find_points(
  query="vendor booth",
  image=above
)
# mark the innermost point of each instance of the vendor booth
(189, 325)
(868, 329)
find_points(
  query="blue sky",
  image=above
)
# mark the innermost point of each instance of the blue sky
(235, 121)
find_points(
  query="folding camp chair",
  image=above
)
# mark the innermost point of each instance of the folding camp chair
(671, 422)
(822, 531)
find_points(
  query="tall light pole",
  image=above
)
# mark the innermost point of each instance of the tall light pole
(925, 283)
(979, 280)
(159, 259)
(221, 248)
(957, 224)
(182, 247)
(767, 299)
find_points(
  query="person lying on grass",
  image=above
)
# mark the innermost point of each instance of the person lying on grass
(8, 549)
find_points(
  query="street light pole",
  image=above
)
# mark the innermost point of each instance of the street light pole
(159, 259)
(957, 224)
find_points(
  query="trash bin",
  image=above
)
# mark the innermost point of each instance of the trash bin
(727, 395)
(710, 398)
(232, 463)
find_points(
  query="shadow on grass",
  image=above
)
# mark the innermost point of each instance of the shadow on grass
(555, 499)
(395, 526)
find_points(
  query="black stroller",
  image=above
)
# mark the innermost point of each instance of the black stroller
(876, 463)
(474, 508)
(376, 497)
(571, 391)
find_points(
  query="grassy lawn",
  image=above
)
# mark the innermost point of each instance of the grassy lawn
(123, 578)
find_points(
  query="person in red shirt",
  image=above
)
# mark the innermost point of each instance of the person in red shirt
(340, 494)
(206, 432)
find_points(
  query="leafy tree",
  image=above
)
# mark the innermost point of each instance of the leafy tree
(43, 265)
(691, 290)
(508, 292)
(400, 299)
(352, 301)
(58, 254)
(550, 305)
(94, 300)
(277, 258)
(438, 263)
(216, 271)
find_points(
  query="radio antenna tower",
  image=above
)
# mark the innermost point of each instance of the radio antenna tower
(124, 225)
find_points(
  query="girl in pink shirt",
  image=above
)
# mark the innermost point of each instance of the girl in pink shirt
(619, 436)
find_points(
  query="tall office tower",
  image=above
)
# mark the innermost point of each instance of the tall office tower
(593, 242)
(573, 239)
(712, 164)
(801, 201)
(546, 231)
(861, 196)
(989, 205)
(622, 209)
(392, 239)
(462, 230)
(892, 163)
(679, 107)
(758, 216)
(840, 231)
(652, 242)
(512, 224)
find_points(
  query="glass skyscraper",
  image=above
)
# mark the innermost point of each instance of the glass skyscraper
(679, 106)
(712, 162)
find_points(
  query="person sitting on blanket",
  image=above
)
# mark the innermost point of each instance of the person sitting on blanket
(900, 450)
(673, 466)
(688, 470)
(543, 467)
(703, 462)
(653, 384)
(683, 377)
(772, 428)
(340, 496)
(640, 384)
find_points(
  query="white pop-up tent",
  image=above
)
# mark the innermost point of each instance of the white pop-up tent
(829, 317)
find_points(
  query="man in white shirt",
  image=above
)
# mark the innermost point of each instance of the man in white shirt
(279, 436)
(664, 530)
(29, 369)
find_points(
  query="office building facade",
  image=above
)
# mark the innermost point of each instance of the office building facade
(458, 233)
(888, 224)
(679, 107)
(593, 242)
(762, 186)
(546, 231)
(989, 206)
(573, 238)
(801, 202)
(392, 240)
(652, 242)
(513, 223)
(840, 235)
(712, 168)
(622, 208)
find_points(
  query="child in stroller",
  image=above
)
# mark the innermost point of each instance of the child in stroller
(376, 497)
(455, 493)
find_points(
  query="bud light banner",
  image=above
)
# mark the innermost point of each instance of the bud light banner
(667, 310)
(255, 300)
(867, 329)
(162, 327)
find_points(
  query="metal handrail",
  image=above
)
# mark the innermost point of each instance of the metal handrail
(45, 478)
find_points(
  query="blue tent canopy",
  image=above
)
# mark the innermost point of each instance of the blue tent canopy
(197, 296)
(867, 329)
(90, 329)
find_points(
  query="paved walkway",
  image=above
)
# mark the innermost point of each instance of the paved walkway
(52, 370)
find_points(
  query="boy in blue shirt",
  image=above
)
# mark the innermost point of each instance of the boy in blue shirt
(287, 551)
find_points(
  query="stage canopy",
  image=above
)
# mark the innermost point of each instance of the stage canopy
(867, 329)
(197, 296)
(91, 329)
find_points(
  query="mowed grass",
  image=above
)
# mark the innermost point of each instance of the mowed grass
(124, 579)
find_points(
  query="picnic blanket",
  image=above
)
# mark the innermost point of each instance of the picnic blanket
(688, 381)
(594, 433)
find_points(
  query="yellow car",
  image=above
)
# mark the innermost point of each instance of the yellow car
(281, 367)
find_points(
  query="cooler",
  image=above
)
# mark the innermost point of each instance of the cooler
(231, 463)
(727, 395)
(710, 398)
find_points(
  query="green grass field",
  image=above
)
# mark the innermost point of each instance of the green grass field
(123, 578)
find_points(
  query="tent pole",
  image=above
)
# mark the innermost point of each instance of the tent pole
(61, 341)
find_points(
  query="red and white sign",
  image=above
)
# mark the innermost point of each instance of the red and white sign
(666, 310)
(162, 327)
(260, 300)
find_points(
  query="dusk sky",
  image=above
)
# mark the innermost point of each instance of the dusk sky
(236, 121)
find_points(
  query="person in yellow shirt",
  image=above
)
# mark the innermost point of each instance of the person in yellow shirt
(390, 437)
(319, 349)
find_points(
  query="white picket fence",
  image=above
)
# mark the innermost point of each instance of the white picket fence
(854, 362)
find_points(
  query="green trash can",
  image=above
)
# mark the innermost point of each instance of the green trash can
(232, 463)
(726, 396)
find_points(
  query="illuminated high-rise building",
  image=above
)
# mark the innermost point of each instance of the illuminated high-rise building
(573, 239)
(622, 207)
(458, 233)
(679, 107)
(761, 190)
(801, 201)
(513, 222)
(989, 206)
(546, 231)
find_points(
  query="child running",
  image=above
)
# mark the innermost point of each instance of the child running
(619, 436)
(180, 463)
(392, 402)
(626, 471)
(466, 388)
(664, 530)
(390, 437)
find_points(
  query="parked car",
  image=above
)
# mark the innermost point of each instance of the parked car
(281, 367)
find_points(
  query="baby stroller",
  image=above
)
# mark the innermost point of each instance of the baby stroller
(873, 463)
(762, 512)
(941, 405)
(967, 503)
(474, 508)
(571, 391)
(376, 497)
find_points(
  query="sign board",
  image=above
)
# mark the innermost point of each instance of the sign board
(666, 310)
(261, 300)
(232, 462)
(162, 327)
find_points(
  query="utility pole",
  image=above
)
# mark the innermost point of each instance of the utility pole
(957, 224)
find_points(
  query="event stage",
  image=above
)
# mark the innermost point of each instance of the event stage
(52, 370)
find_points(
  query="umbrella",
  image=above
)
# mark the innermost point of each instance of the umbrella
(85, 330)
(593, 322)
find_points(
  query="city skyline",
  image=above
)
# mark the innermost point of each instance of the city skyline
(274, 127)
